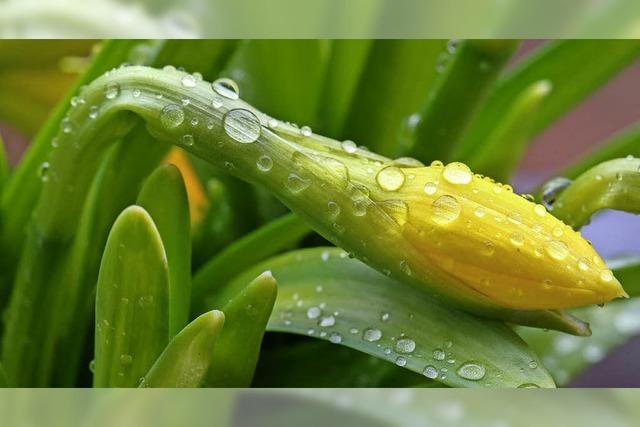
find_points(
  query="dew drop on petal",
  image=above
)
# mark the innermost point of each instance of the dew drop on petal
(457, 173)
(445, 209)
(557, 250)
(390, 178)
(188, 80)
(430, 188)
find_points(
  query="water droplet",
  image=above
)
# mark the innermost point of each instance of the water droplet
(349, 146)
(533, 364)
(43, 172)
(333, 209)
(66, 125)
(273, 123)
(242, 125)
(539, 210)
(111, 90)
(405, 345)
(372, 335)
(313, 312)
(93, 112)
(479, 212)
(606, 275)
(390, 178)
(445, 209)
(194, 122)
(172, 116)
(517, 239)
(306, 131)
(430, 188)
(327, 321)
(92, 366)
(360, 207)
(557, 232)
(514, 217)
(335, 338)
(401, 361)
(584, 264)
(384, 317)
(227, 88)
(188, 140)
(552, 189)
(457, 173)
(557, 250)
(126, 359)
(430, 372)
(296, 184)
(438, 354)
(472, 371)
(264, 163)
(189, 81)
(136, 93)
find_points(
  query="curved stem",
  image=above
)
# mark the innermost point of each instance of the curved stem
(610, 185)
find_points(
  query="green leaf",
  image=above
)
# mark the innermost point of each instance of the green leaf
(164, 197)
(614, 184)
(624, 143)
(457, 93)
(187, 358)
(562, 63)
(3, 378)
(627, 271)
(324, 294)
(234, 358)
(393, 85)
(567, 356)
(344, 68)
(506, 143)
(132, 301)
(244, 253)
(315, 363)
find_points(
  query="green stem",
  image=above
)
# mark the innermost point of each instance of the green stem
(610, 185)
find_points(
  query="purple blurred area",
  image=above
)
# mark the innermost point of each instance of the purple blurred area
(612, 108)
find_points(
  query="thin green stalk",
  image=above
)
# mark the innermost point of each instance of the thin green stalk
(610, 185)
(457, 94)
(242, 254)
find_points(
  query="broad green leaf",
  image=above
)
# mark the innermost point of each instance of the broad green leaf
(567, 356)
(562, 63)
(324, 294)
(624, 143)
(187, 358)
(281, 77)
(614, 184)
(344, 68)
(164, 197)
(506, 143)
(132, 301)
(3, 378)
(234, 358)
(458, 91)
(267, 241)
(315, 363)
(393, 85)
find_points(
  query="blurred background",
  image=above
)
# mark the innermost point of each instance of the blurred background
(615, 106)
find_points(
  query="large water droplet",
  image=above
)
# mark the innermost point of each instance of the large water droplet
(172, 116)
(606, 275)
(349, 146)
(557, 249)
(390, 178)
(242, 125)
(430, 371)
(372, 335)
(439, 354)
(457, 173)
(111, 90)
(227, 88)
(552, 189)
(445, 209)
(405, 345)
(472, 371)
(327, 321)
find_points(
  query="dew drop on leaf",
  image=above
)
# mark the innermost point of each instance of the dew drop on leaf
(172, 116)
(372, 334)
(188, 80)
(430, 371)
(242, 125)
(405, 345)
(111, 90)
(471, 371)
(188, 140)
(349, 146)
(264, 163)
(227, 88)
